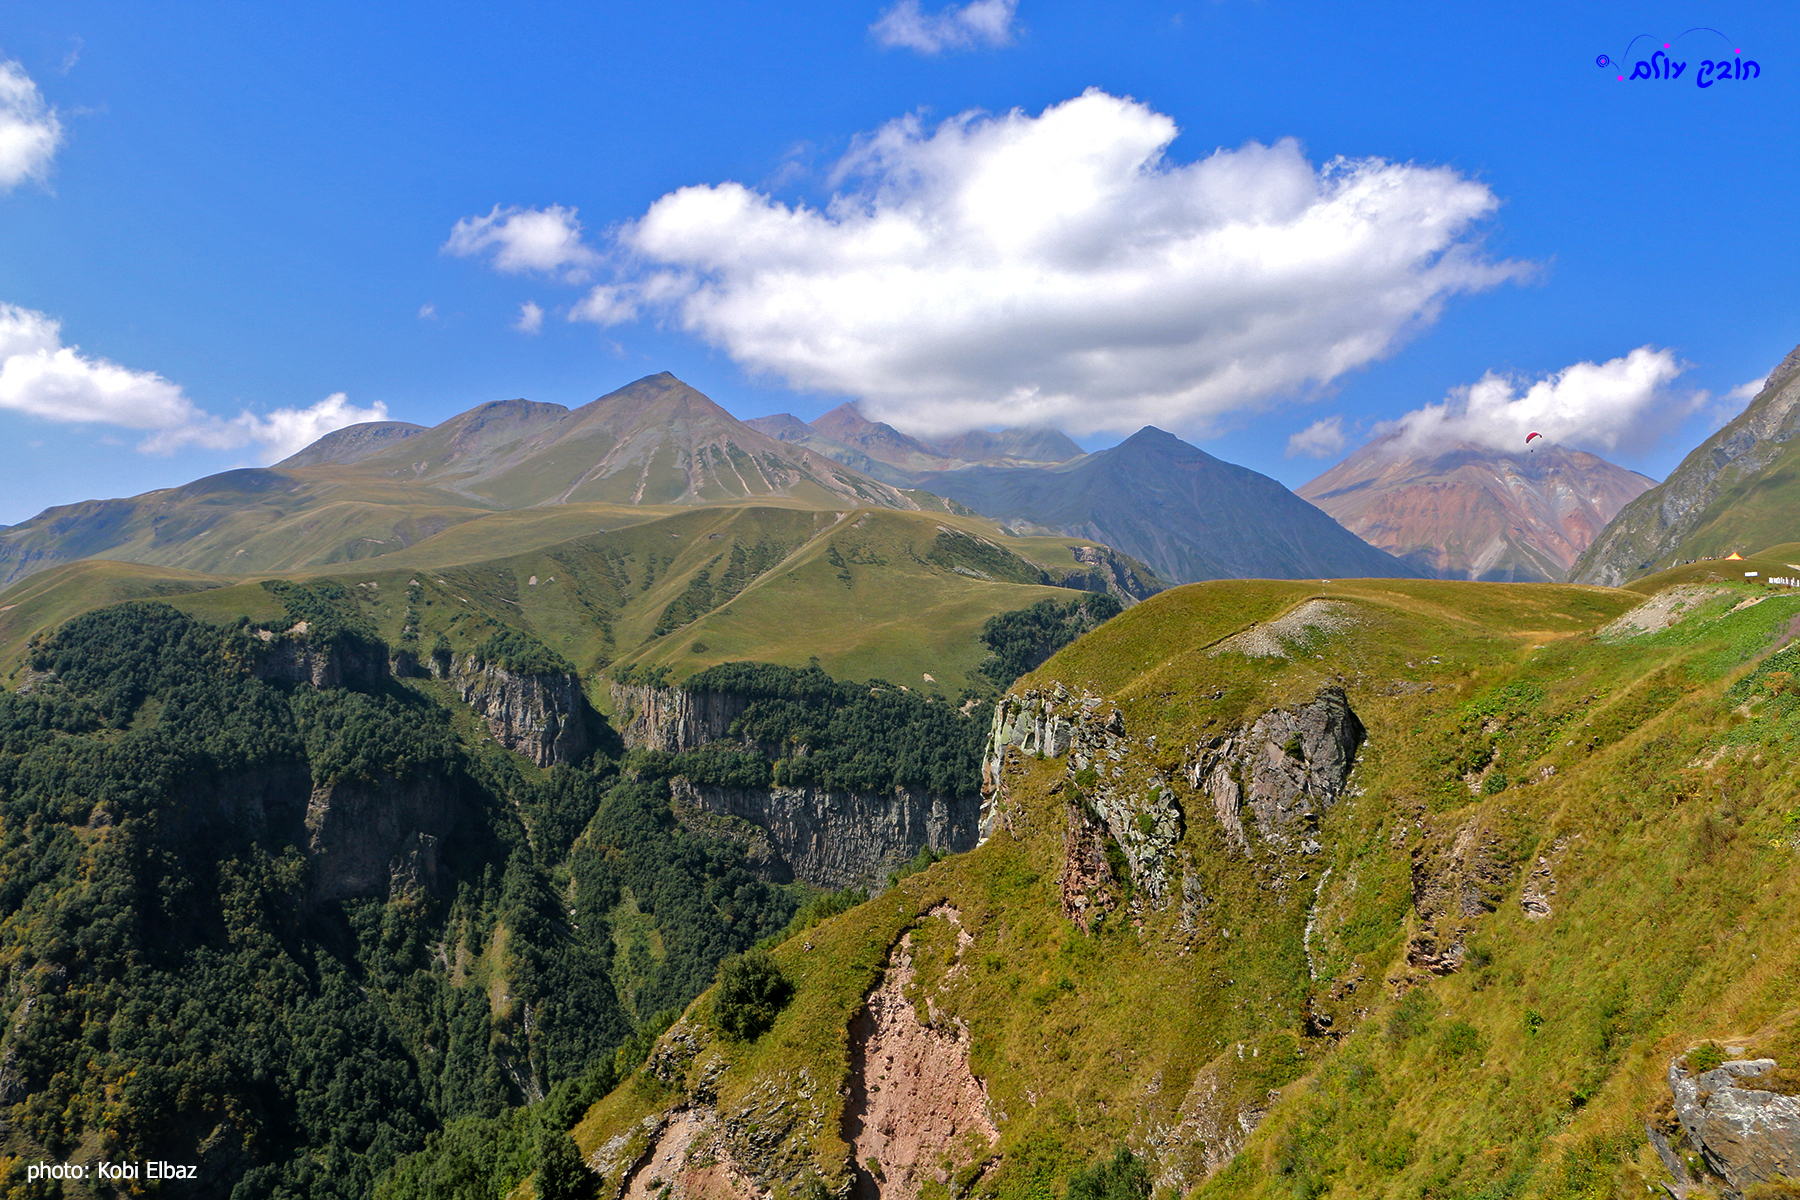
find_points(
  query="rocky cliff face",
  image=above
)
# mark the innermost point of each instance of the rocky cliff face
(544, 717)
(295, 657)
(840, 839)
(672, 719)
(377, 839)
(832, 839)
(1659, 528)
(1469, 512)
(1282, 773)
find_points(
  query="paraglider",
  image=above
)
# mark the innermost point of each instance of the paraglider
(1530, 437)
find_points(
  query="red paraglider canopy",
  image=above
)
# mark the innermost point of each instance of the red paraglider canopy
(1529, 436)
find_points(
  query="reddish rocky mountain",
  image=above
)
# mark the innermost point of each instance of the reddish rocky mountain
(1469, 512)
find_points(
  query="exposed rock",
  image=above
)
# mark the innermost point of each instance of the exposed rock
(295, 657)
(1208, 1130)
(689, 1161)
(1089, 890)
(1540, 885)
(1463, 511)
(1288, 768)
(1746, 1135)
(1280, 637)
(1039, 722)
(377, 839)
(1456, 877)
(544, 717)
(673, 719)
(915, 1109)
(835, 839)
(1660, 611)
(1108, 571)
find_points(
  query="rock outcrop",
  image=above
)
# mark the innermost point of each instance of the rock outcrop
(545, 717)
(297, 657)
(673, 719)
(835, 839)
(1743, 1133)
(915, 1114)
(828, 838)
(1656, 529)
(1285, 770)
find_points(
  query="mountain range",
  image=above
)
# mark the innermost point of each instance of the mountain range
(1187, 514)
(376, 488)
(657, 444)
(1472, 512)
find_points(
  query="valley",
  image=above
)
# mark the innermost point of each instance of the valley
(1373, 885)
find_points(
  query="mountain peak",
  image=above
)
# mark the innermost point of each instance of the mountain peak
(1466, 511)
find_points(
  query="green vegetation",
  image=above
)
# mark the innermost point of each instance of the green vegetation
(1021, 641)
(1124, 1176)
(180, 958)
(816, 730)
(1411, 1025)
(750, 995)
(512, 650)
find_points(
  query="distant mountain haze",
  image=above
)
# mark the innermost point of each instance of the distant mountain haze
(879, 440)
(373, 489)
(785, 427)
(1470, 512)
(1036, 447)
(1738, 491)
(1190, 516)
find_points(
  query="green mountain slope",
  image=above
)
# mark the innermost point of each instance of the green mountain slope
(1739, 489)
(1562, 855)
(869, 592)
(368, 491)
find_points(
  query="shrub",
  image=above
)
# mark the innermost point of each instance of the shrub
(1124, 1176)
(1704, 1057)
(752, 993)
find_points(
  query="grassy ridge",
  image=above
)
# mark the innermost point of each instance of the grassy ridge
(869, 593)
(1634, 786)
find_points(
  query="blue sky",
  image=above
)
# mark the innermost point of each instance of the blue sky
(242, 212)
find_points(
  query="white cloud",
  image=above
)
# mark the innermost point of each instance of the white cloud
(978, 23)
(428, 311)
(531, 318)
(1623, 404)
(1059, 270)
(1321, 439)
(43, 378)
(279, 434)
(547, 240)
(30, 131)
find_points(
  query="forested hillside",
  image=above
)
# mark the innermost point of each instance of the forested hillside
(179, 986)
